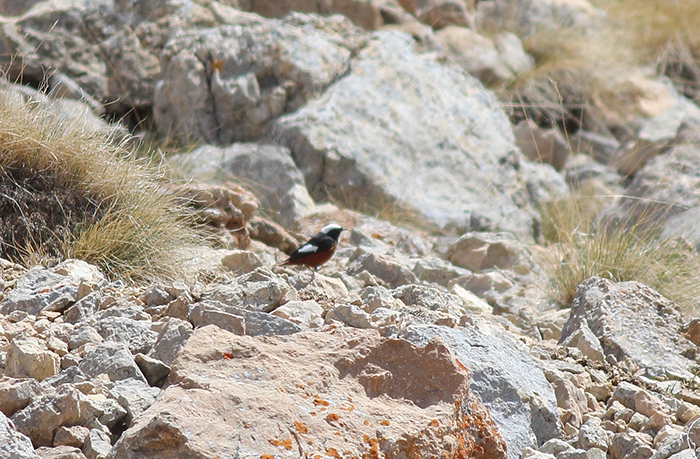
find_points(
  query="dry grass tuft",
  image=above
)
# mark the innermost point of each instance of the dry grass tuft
(111, 210)
(582, 242)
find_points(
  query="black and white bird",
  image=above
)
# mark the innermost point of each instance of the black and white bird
(317, 250)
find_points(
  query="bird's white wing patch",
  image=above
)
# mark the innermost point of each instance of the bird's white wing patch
(308, 248)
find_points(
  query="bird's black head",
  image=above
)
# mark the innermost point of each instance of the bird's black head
(333, 230)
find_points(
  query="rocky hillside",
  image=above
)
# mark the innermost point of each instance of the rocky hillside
(518, 181)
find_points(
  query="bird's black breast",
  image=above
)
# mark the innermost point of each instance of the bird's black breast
(323, 242)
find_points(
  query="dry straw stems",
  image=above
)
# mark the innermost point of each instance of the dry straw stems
(102, 204)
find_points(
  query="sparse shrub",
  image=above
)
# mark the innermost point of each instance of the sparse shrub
(69, 192)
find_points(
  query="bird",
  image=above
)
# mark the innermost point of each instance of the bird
(317, 250)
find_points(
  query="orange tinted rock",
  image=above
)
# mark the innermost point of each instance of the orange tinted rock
(314, 393)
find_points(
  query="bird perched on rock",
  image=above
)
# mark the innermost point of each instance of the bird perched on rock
(317, 250)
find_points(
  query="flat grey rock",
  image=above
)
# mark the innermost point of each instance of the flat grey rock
(401, 129)
(506, 379)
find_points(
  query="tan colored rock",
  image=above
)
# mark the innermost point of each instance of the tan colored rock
(342, 393)
(227, 206)
(29, 357)
(629, 96)
(542, 145)
(480, 251)
(304, 313)
(440, 13)
(630, 445)
(60, 452)
(15, 394)
(572, 400)
(364, 13)
(476, 54)
(71, 436)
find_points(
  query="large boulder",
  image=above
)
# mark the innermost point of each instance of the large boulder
(401, 129)
(341, 394)
(633, 322)
(227, 83)
(504, 377)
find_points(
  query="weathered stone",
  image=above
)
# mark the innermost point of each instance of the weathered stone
(227, 83)
(306, 314)
(83, 335)
(153, 369)
(97, 408)
(260, 290)
(597, 146)
(171, 339)
(542, 145)
(632, 321)
(320, 286)
(525, 17)
(40, 419)
(97, 445)
(512, 54)
(136, 334)
(240, 321)
(29, 357)
(683, 226)
(214, 376)
(656, 135)
(71, 436)
(438, 271)
(135, 396)
(555, 446)
(625, 393)
(385, 268)
(367, 14)
(429, 298)
(629, 445)
(669, 441)
(113, 359)
(506, 379)
(379, 297)
(268, 170)
(481, 251)
(16, 7)
(78, 28)
(586, 342)
(439, 13)
(15, 394)
(344, 142)
(475, 53)
(60, 452)
(572, 400)
(592, 435)
(13, 444)
(83, 309)
(42, 288)
(349, 314)
(470, 301)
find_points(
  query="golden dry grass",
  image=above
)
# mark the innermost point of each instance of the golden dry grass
(582, 242)
(571, 65)
(136, 231)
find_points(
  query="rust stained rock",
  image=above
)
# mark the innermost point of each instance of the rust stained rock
(341, 392)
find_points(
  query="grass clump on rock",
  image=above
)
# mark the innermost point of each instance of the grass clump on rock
(67, 191)
(582, 242)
